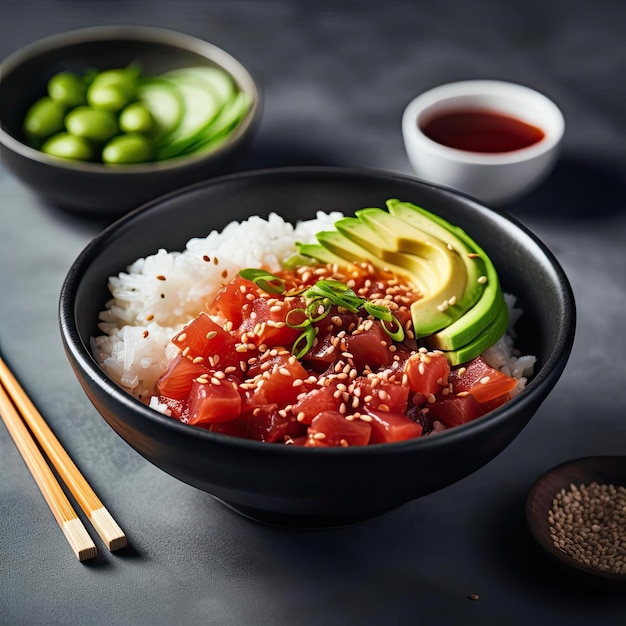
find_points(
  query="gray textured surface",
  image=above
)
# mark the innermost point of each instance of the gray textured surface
(336, 78)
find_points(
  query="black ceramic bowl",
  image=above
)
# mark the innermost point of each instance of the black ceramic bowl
(303, 486)
(95, 188)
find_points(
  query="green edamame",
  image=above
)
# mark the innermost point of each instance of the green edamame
(124, 79)
(136, 118)
(118, 116)
(67, 89)
(89, 123)
(67, 146)
(107, 97)
(112, 89)
(44, 118)
(128, 148)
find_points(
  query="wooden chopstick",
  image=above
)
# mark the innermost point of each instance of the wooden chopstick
(70, 524)
(108, 529)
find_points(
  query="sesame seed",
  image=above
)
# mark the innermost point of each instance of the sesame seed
(482, 280)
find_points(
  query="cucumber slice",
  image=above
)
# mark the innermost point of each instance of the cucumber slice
(231, 114)
(201, 106)
(217, 79)
(164, 103)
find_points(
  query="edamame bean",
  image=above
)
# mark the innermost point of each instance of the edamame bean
(44, 118)
(129, 148)
(112, 89)
(67, 89)
(124, 79)
(96, 124)
(136, 118)
(68, 146)
(107, 97)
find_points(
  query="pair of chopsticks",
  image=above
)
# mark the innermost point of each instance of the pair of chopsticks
(20, 414)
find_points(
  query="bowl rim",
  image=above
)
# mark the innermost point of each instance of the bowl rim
(80, 352)
(148, 34)
(436, 98)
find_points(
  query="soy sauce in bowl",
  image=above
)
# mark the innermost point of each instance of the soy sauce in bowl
(490, 139)
(477, 130)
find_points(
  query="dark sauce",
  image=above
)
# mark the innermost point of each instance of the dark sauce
(481, 131)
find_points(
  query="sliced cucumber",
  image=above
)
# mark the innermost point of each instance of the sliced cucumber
(164, 102)
(218, 81)
(201, 106)
(231, 114)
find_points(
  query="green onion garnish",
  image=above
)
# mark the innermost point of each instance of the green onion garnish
(319, 298)
(264, 280)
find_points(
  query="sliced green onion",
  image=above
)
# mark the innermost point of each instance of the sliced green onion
(396, 335)
(305, 319)
(318, 309)
(320, 298)
(307, 338)
(264, 280)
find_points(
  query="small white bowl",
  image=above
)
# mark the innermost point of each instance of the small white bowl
(490, 177)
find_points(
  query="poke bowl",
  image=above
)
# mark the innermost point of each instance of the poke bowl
(307, 475)
(167, 108)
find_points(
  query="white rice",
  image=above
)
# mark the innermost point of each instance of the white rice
(157, 295)
(145, 311)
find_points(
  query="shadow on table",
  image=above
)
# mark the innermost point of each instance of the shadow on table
(577, 189)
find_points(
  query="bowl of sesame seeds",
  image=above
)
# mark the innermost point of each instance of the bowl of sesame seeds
(577, 513)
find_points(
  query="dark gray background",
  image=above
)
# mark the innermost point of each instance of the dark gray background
(336, 77)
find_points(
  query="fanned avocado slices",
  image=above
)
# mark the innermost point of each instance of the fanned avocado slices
(462, 311)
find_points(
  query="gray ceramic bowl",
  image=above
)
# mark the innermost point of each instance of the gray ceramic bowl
(304, 486)
(92, 187)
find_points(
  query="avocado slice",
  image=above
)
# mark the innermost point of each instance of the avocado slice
(484, 339)
(480, 267)
(449, 254)
(417, 261)
(318, 254)
(440, 259)
(429, 311)
(344, 247)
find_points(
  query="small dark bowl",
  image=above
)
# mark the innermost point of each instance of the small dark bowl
(601, 469)
(291, 485)
(93, 188)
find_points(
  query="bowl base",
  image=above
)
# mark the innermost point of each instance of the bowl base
(288, 520)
